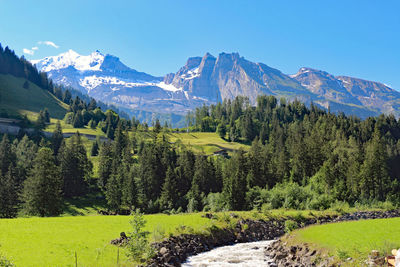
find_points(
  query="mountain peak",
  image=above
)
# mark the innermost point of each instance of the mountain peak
(97, 52)
(307, 71)
(71, 58)
(208, 55)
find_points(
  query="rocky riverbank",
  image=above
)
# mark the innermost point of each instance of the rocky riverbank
(175, 250)
(300, 255)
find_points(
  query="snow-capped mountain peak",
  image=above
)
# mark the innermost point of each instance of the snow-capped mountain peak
(91, 62)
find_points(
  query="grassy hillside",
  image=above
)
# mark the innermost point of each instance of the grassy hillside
(352, 239)
(16, 100)
(206, 142)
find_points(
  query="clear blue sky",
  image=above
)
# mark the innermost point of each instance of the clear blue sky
(355, 38)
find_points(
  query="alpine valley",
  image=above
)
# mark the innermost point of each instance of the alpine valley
(208, 80)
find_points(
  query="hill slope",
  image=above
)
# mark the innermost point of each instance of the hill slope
(15, 100)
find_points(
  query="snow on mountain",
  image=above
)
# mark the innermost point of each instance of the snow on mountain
(106, 78)
(209, 79)
(91, 82)
(71, 58)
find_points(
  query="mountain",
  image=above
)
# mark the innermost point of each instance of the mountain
(356, 96)
(209, 79)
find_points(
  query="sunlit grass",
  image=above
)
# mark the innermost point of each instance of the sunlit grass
(68, 128)
(207, 143)
(354, 239)
(53, 241)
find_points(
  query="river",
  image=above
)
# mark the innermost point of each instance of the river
(238, 255)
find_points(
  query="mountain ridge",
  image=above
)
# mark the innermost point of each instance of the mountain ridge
(209, 79)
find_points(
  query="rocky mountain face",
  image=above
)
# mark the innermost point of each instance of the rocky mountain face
(209, 79)
(354, 96)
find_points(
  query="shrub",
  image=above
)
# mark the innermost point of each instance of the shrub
(320, 202)
(4, 262)
(138, 246)
(266, 208)
(289, 196)
(342, 254)
(158, 233)
(387, 205)
(214, 202)
(299, 217)
(290, 225)
(340, 206)
(256, 197)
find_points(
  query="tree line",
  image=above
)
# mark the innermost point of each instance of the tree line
(300, 157)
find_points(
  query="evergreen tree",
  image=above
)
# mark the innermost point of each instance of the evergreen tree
(67, 97)
(110, 132)
(221, 130)
(41, 120)
(194, 197)
(375, 182)
(129, 190)
(114, 189)
(46, 115)
(169, 196)
(92, 105)
(235, 182)
(95, 149)
(105, 164)
(7, 156)
(57, 138)
(42, 190)
(157, 126)
(76, 169)
(26, 85)
(204, 174)
(8, 194)
(78, 120)
(25, 153)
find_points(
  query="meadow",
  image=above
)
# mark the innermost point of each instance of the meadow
(17, 101)
(353, 239)
(54, 241)
(206, 143)
(68, 128)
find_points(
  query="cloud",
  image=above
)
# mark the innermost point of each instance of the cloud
(28, 52)
(49, 43)
(36, 48)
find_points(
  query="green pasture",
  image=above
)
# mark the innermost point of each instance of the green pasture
(207, 143)
(68, 128)
(54, 241)
(353, 239)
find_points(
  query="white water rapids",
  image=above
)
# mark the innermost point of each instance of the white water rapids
(243, 255)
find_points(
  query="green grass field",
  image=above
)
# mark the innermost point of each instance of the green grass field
(206, 142)
(68, 128)
(16, 100)
(351, 239)
(54, 241)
